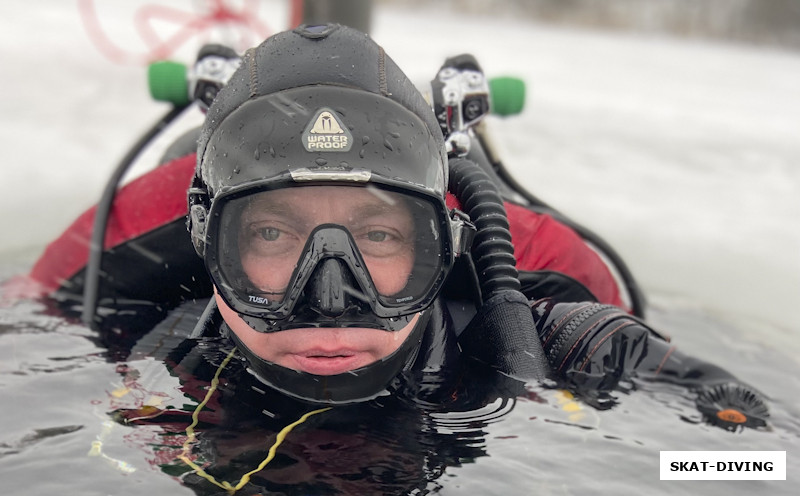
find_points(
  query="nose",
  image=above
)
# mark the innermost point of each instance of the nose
(326, 288)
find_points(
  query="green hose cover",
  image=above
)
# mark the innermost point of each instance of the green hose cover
(507, 95)
(168, 83)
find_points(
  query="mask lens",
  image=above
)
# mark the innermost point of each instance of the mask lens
(270, 243)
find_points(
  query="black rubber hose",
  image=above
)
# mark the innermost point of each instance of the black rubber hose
(91, 284)
(502, 333)
(492, 250)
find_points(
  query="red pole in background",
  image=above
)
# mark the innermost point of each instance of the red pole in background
(296, 14)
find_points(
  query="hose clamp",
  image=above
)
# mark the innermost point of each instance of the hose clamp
(462, 231)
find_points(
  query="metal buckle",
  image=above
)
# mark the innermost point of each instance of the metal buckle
(462, 231)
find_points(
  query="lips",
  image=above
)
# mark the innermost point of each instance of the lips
(329, 362)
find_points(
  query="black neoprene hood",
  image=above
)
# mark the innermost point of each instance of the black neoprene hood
(255, 128)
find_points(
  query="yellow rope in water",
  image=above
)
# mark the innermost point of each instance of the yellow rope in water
(278, 440)
(190, 437)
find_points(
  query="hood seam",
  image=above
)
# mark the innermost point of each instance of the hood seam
(382, 72)
(253, 82)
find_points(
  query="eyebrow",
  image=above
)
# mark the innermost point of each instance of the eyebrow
(254, 208)
(363, 213)
(381, 204)
(372, 209)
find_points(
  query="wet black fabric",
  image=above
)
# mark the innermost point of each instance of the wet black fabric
(390, 445)
(549, 284)
(502, 335)
(335, 56)
(160, 266)
(143, 280)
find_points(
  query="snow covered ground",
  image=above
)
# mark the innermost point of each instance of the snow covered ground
(684, 155)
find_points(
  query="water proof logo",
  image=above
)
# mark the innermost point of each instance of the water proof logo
(327, 133)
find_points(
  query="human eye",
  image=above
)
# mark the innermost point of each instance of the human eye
(268, 233)
(378, 236)
(270, 239)
(381, 242)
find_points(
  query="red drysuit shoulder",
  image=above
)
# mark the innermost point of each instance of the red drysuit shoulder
(142, 205)
(541, 242)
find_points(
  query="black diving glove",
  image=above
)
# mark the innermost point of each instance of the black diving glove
(592, 347)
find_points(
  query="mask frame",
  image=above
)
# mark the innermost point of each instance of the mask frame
(294, 311)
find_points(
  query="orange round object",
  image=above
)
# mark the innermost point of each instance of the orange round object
(731, 415)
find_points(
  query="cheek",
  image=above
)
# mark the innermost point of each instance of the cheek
(391, 277)
(393, 340)
(259, 343)
(268, 276)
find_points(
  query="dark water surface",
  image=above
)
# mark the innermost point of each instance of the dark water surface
(75, 421)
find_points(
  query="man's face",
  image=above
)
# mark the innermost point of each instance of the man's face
(276, 225)
(273, 231)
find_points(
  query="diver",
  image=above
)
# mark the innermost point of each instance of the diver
(363, 255)
(344, 249)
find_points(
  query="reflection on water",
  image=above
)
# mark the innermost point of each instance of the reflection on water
(71, 409)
